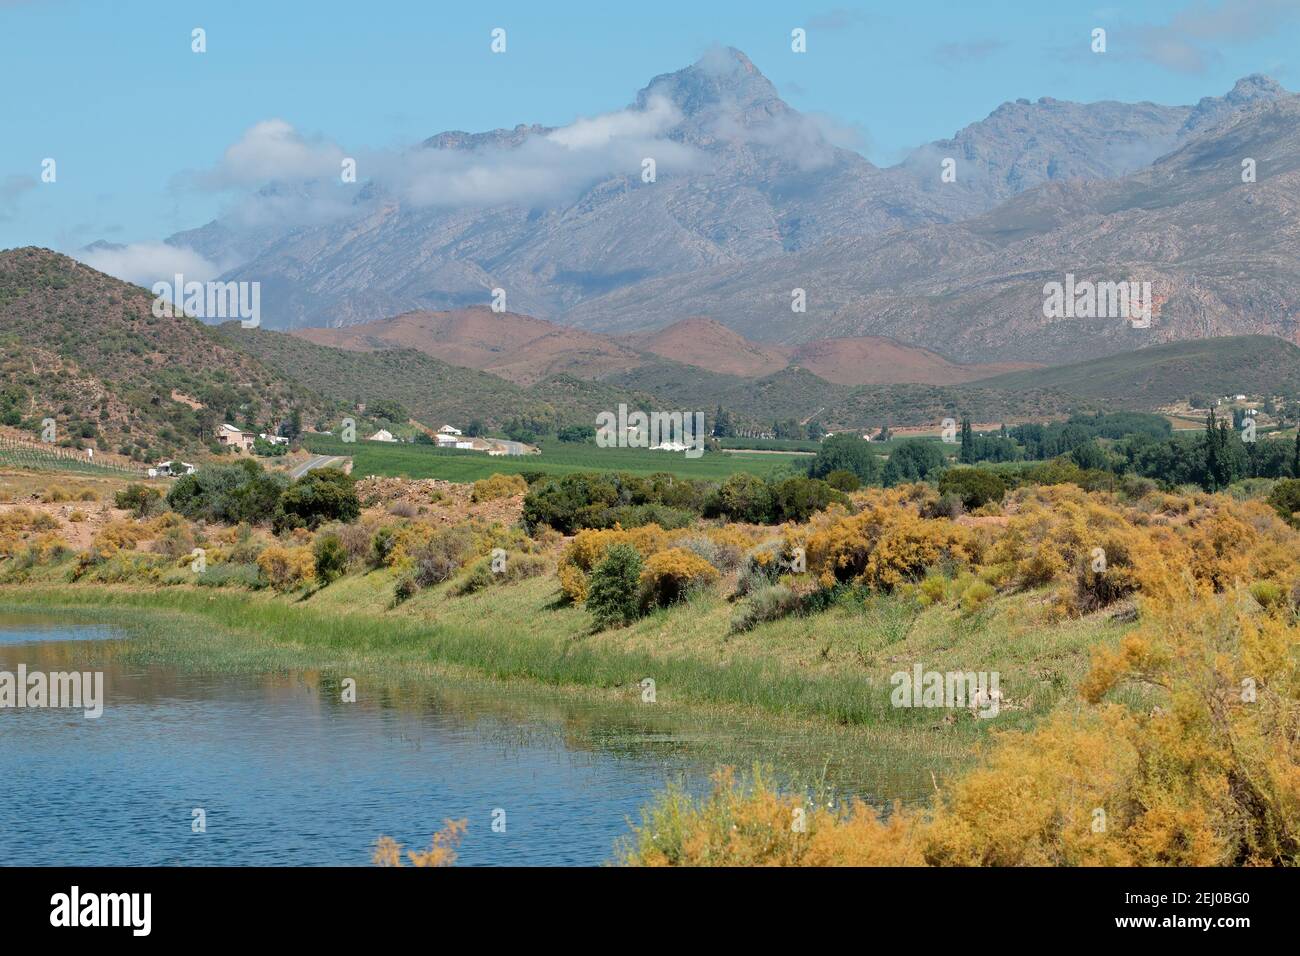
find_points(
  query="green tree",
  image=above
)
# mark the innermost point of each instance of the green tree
(331, 558)
(612, 592)
(1213, 450)
(326, 494)
(974, 486)
(388, 410)
(846, 452)
(913, 459)
(722, 427)
(576, 433)
(967, 454)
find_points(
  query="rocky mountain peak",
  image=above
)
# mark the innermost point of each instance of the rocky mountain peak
(723, 80)
(1246, 92)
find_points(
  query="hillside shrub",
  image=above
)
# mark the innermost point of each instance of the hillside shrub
(331, 558)
(1285, 500)
(326, 494)
(613, 587)
(287, 568)
(231, 574)
(498, 486)
(768, 602)
(228, 494)
(670, 575)
(519, 566)
(975, 486)
(883, 547)
(141, 500)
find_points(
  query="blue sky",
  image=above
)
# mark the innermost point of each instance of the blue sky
(114, 94)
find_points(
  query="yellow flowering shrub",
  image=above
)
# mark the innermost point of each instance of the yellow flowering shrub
(589, 546)
(573, 582)
(441, 852)
(670, 574)
(1199, 767)
(498, 486)
(287, 568)
(755, 825)
(883, 546)
(118, 535)
(1098, 551)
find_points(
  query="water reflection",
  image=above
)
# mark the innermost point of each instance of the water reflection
(289, 774)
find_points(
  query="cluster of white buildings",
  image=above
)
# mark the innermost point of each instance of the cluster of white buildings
(449, 436)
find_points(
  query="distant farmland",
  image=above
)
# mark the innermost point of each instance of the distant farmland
(425, 461)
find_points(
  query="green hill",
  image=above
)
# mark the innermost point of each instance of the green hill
(85, 349)
(1151, 377)
(433, 391)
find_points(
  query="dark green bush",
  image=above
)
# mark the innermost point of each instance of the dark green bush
(229, 494)
(843, 480)
(326, 494)
(743, 497)
(141, 500)
(613, 590)
(846, 452)
(974, 486)
(331, 558)
(798, 499)
(1285, 499)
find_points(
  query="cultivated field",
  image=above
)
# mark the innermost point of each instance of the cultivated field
(424, 461)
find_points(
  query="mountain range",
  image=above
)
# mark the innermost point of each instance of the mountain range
(752, 199)
(85, 349)
(525, 350)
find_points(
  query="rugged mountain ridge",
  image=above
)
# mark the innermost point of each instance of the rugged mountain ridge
(1222, 256)
(743, 179)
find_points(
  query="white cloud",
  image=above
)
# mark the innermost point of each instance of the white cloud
(544, 169)
(273, 150)
(145, 263)
(659, 116)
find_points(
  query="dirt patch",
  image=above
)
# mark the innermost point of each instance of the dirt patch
(432, 499)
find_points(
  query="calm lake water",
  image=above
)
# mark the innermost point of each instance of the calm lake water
(288, 774)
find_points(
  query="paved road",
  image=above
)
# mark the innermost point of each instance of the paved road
(318, 461)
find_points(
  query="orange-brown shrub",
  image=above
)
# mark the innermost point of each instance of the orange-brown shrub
(884, 545)
(287, 568)
(1201, 767)
(498, 486)
(670, 575)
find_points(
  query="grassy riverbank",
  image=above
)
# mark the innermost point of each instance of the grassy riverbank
(798, 691)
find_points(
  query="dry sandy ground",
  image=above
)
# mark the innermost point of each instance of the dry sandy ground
(36, 491)
(442, 502)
